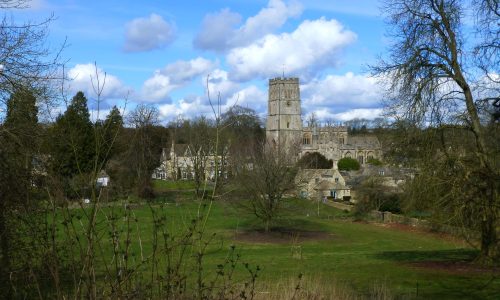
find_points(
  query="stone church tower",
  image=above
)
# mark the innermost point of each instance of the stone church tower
(284, 123)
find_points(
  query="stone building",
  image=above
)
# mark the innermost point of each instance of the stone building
(284, 128)
(316, 184)
(180, 161)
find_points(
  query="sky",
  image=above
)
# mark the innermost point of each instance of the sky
(167, 53)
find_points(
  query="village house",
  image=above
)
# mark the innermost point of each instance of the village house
(181, 160)
(318, 184)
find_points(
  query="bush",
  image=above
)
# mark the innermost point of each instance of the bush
(315, 160)
(348, 164)
(391, 203)
(375, 162)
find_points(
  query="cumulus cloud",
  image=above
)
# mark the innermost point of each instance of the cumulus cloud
(343, 97)
(183, 71)
(312, 46)
(144, 34)
(251, 97)
(345, 91)
(194, 106)
(219, 30)
(158, 87)
(82, 76)
(359, 113)
(219, 84)
(187, 108)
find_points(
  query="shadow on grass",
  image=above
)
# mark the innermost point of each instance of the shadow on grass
(452, 273)
(463, 255)
(283, 223)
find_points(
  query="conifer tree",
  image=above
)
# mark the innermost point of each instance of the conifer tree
(73, 141)
(18, 140)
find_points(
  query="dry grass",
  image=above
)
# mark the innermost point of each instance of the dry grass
(314, 288)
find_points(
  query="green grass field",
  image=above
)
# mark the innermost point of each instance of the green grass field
(330, 247)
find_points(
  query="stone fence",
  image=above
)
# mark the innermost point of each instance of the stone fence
(388, 217)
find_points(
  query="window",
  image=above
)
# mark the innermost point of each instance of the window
(306, 140)
(288, 103)
(336, 179)
(381, 172)
(287, 124)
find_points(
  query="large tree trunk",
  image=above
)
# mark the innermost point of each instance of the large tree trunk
(489, 249)
(489, 239)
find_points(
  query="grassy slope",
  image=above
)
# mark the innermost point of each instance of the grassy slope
(358, 254)
(361, 255)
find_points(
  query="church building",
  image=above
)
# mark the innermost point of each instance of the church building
(284, 128)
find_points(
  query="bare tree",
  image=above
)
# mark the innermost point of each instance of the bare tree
(141, 153)
(201, 145)
(265, 178)
(26, 61)
(312, 120)
(434, 78)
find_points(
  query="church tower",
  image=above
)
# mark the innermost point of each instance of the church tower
(284, 123)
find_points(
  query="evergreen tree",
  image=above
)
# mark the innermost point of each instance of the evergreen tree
(18, 140)
(108, 132)
(73, 140)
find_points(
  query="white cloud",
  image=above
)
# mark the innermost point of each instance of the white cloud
(312, 46)
(220, 85)
(359, 113)
(186, 108)
(324, 114)
(173, 76)
(266, 21)
(219, 30)
(83, 77)
(250, 96)
(157, 88)
(349, 90)
(343, 97)
(144, 34)
(183, 71)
